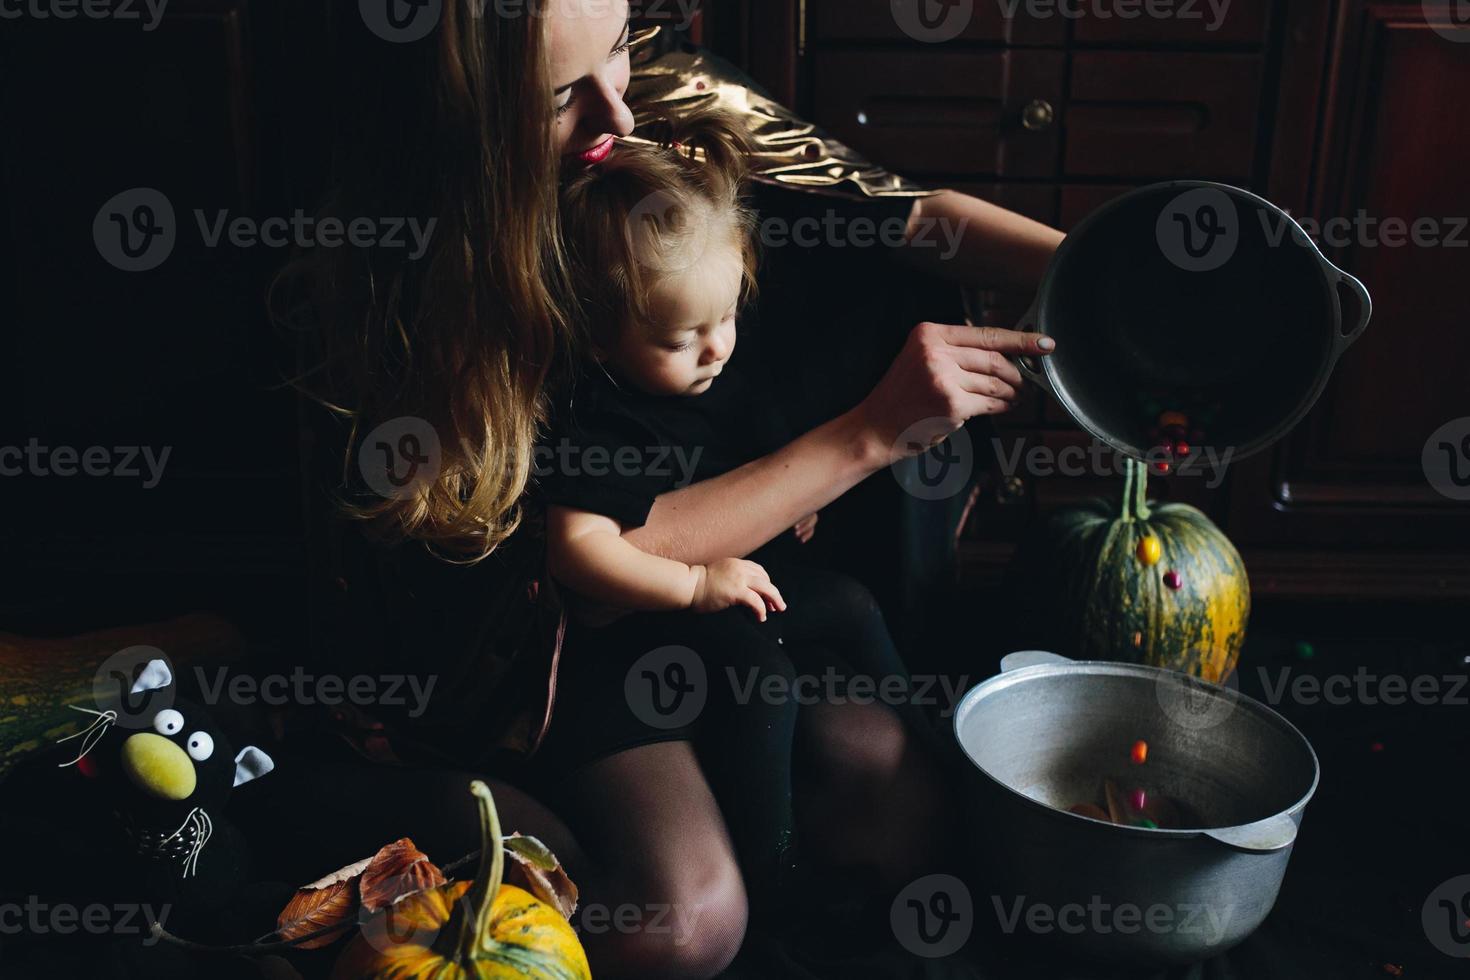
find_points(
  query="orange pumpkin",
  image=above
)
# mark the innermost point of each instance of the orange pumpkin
(481, 929)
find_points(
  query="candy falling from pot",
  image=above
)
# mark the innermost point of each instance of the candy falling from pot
(1139, 752)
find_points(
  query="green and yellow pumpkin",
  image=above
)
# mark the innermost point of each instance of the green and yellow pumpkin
(481, 929)
(1129, 581)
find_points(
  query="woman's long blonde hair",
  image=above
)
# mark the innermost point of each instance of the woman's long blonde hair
(456, 127)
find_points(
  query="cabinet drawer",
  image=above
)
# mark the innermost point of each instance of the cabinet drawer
(1187, 22)
(933, 21)
(941, 112)
(1165, 115)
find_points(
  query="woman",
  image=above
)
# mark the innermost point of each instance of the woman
(469, 127)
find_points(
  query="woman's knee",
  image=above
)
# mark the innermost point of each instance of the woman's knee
(689, 925)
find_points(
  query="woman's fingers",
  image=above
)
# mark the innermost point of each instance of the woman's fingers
(986, 362)
(977, 383)
(1007, 342)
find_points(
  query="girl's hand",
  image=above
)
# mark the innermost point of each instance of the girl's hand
(944, 375)
(805, 528)
(736, 582)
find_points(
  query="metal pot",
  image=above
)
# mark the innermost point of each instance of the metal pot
(1197, 297)
(1046, 731)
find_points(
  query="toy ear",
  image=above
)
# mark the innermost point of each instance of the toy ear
(251, 763)
(155, 677)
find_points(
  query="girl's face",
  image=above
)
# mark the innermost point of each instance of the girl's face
(692, 333)
(588, 49)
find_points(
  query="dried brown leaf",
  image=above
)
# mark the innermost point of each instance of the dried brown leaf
(312, 909)
(395, 872)
(534, 867)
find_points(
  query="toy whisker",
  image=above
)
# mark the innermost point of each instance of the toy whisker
(90, 735)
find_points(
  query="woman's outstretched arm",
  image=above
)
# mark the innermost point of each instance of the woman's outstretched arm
(976, 243)
(944, 375)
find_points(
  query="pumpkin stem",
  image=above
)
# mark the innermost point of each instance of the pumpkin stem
(475, 926)
(1135, 490)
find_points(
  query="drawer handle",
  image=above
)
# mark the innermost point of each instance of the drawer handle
(1038, 115)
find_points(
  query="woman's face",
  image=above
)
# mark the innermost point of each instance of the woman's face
(588, 42)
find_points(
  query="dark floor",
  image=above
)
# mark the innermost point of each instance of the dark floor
(1386, 827)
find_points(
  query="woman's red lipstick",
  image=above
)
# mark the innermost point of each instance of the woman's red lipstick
(598, 153)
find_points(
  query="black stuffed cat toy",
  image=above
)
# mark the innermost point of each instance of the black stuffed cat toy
(166, 774)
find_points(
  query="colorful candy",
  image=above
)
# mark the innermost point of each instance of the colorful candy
(1137, 639)
(1146, 823)
(1150, 550)
(1173, 580)
(1139, 752)
(1305, 650)
(1137, 800)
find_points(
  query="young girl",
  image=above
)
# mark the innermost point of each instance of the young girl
(665, 252)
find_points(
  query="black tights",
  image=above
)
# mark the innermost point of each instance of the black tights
(756, 678)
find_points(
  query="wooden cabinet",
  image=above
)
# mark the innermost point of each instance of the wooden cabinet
(1345, 110)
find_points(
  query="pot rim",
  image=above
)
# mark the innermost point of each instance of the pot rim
(1020, 675)
(1037, 317)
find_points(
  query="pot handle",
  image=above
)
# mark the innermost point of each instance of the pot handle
(1029, 367)
(1262, 837)
(1030, 658)
(1365, 311)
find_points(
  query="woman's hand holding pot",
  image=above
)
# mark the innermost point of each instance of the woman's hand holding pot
(944, 375)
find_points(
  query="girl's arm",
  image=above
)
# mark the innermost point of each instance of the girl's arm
(976, 243)
(944, 375)
(587, 553)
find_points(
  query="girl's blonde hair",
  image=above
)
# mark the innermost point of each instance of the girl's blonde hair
(457, 127)
(648, 211)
